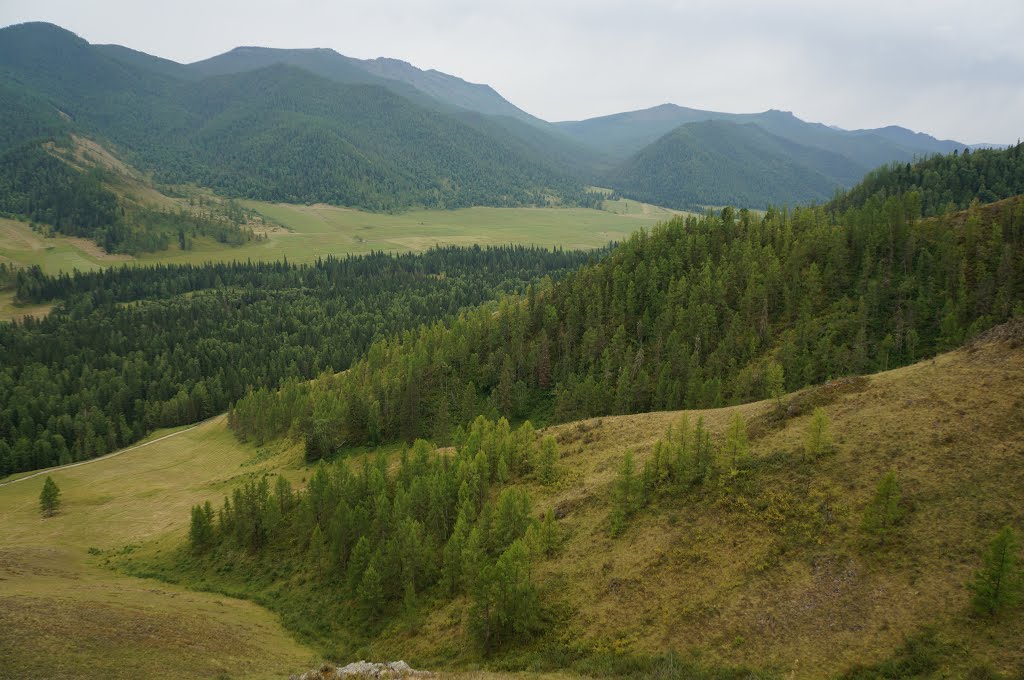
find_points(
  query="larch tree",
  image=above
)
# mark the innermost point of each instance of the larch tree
(997, 585)
(49, 498)
(883, 513)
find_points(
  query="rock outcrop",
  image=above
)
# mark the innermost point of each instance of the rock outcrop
(363, 669)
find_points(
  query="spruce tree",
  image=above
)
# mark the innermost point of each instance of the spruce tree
(997, 585)
(49, 498)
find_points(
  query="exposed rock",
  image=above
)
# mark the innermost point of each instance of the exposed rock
(363, 669)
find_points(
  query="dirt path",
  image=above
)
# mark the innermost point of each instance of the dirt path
(109, 455)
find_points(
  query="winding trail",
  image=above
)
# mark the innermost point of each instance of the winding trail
(109, 455)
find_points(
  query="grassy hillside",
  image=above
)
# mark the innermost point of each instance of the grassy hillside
(764, 565)
(772, 569)
(63, 613)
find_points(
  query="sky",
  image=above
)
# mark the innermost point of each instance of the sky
(953, 69)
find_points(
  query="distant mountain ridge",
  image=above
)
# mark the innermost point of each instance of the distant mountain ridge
(668, 155)
(252, 124)
(384, 134)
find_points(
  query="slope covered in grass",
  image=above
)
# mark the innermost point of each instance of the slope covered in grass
(62, 613)
(763, 564)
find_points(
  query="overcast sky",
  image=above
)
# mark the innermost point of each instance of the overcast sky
(953, 69)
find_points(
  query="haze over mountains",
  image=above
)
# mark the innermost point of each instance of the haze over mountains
(312, 125)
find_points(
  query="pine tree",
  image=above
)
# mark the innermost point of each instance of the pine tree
(883, 512)
(997, 585)
(49, 498)
(819, 439)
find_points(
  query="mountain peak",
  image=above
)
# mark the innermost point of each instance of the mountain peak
(42, 30)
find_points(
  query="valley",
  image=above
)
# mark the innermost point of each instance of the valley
(307, 358)
(768, 582)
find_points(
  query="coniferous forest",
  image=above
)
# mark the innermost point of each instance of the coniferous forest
(694, 314)
(133, 349)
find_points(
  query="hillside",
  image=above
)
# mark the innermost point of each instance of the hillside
(312, 125)
(690, 157)
(277, 133)
(699, 312)
(764, 565)
(624, 134)
(75, 187)
(948, 182)
(724, 163)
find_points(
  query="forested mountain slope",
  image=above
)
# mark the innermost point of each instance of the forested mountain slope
(276, 133)
(696, 313)
(129, 350)
(424, 138)
(71, 185)
(724, 163)
(948, 182)
(688, 157)
(624, 134)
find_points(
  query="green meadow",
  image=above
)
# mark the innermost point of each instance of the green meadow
(304, 233)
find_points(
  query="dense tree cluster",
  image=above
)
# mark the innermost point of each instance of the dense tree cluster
(443, 525)
(132, 349)
(700, 312)
(945, 182)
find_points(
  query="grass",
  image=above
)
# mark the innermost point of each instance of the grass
(317, 230)
(63, 614)
(10, 311)
(309, 232)
(19, 244)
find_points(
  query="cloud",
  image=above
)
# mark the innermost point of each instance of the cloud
(951, 68)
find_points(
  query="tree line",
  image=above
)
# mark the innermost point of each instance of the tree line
(128, 350)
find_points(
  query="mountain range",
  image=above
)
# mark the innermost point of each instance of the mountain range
(313, 125)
